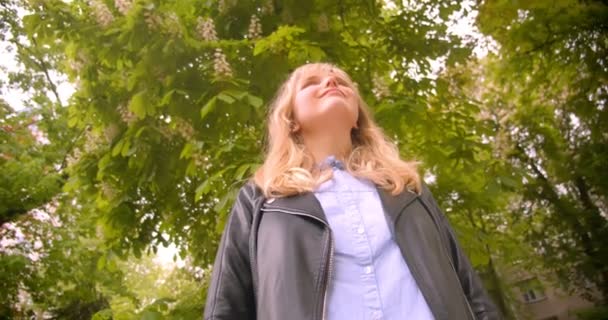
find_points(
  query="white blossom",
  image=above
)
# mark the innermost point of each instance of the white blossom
(75, 65)
(107, 191)
(199, 160)
(221, 6)
(172, 24)
(323, 23)
(91, 141)
(123, 6)
(77, 62)
(73, 157)
(379, 87)
(268, 7)
(205, 29)
(220, 64)
(184, 128)
(166, 132)
(126, 115)
(153, 20)
(111, 132)
(102, 14)
(255, 28)
(224, 5)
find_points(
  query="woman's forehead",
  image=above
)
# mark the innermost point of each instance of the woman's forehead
(320, 70)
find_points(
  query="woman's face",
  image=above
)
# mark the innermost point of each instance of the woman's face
(325, 99)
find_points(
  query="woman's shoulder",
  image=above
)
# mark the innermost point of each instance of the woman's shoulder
(250, 189)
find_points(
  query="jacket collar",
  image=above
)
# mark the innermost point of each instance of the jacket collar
(307, 203)
(394, 205)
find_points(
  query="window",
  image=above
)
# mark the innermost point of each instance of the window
(532, 290)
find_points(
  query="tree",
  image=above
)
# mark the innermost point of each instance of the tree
(166, 123)
(173, 99)
(35, 141)
(546, 89)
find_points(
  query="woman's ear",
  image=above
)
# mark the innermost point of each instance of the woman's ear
(293, 126)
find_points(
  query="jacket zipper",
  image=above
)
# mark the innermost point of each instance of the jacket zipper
(331, 250)
(329, 269)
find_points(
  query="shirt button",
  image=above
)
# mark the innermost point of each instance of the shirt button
(360, 230)
(368, 269)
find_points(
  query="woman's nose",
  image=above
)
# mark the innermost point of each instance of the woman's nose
(331, 81)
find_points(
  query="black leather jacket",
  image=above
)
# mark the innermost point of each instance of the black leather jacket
(274, 261)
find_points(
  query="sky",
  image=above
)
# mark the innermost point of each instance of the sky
(15, 96)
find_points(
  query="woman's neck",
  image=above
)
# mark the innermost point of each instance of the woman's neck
(323, 145)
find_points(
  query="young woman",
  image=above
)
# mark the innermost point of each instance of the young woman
(334, 225)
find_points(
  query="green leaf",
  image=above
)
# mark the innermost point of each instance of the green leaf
(240, 172)
(73, 121)
(118, 147)
(508, 181)
(209, 106)
(167, 98)
(186, 151)
(105, 314)
(280, 39)
(138, 104)
(151, 315)
(254, 101)
(140, 131)
(126, 149)
(226, 98)
(202, 189)
(191, 168)
(238, 94)
(101, 262)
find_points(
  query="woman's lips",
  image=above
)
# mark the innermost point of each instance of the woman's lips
(332, 91)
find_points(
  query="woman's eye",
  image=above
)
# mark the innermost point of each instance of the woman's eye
(308, 83)
(343, 82)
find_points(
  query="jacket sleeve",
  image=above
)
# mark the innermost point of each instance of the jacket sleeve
(482, 306)
(230, 294)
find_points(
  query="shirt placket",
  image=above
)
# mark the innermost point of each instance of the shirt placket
(364, 255)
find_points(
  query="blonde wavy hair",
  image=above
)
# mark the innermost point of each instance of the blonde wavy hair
(289, 168)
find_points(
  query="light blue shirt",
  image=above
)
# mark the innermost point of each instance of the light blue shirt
(370, 279)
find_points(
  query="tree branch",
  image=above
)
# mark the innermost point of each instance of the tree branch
(594, 213)
(45, 69)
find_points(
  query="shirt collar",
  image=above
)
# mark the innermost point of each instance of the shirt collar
(331, 162)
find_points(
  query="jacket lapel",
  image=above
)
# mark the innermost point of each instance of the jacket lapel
(394, 205)
(305, 202)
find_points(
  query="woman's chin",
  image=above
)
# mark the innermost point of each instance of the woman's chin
(339, 109)
(332, 103)
(332, 120)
